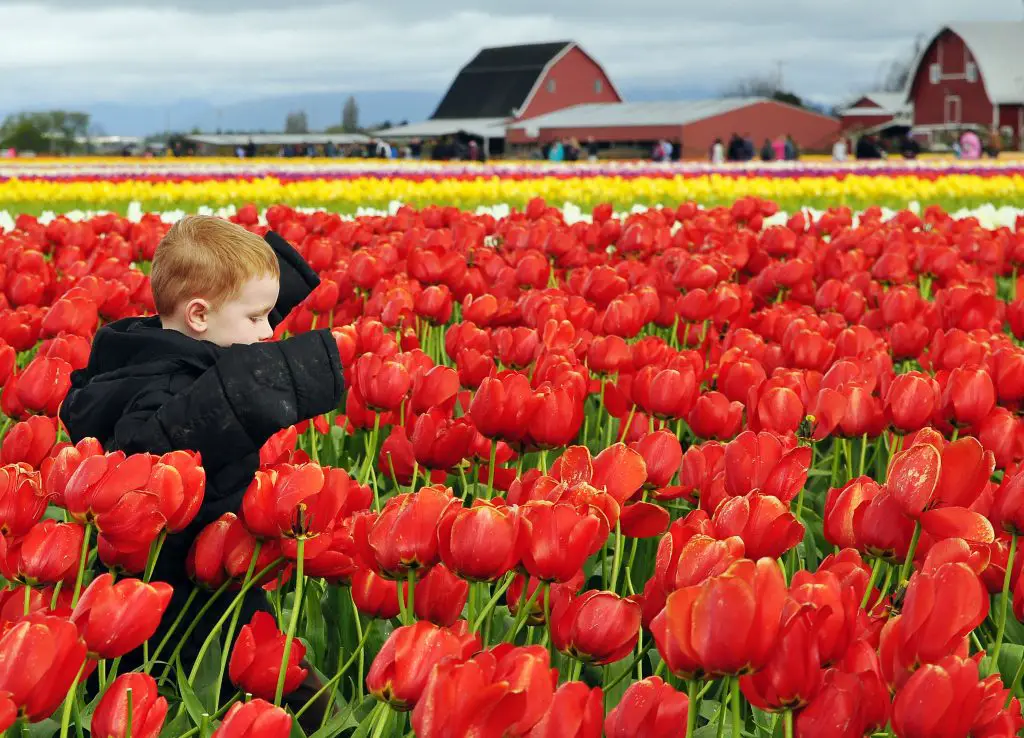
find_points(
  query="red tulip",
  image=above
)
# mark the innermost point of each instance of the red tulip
(598, 627)
(503, 406)
(50, 552)
(609, 355)
(293, 502)
(948, 699)
(763, 522)
(375, 596)
(557, 416)
(524, 591)
(115, 618)
(912, 400)
(881, 528)
(843, 708)
(440, 596)
(649, 708)
(669, 393)
(179, 481)
(29, 442)
(9, 713)
(255, 719)
(759, 461)
(23, 499)
(399, 673)
(715, 416)
(913, 478)
(556, 539)
(256, 658)
(693, 638)
(480, 543)
(223, 550)
(439, 442)
(381, 383)
(841, 506)
(42, 656)
(969, 395)
(148, 709)
(1008, 506)
(434, 388)
(575, 711)
(662, 455)
(792, 675)
(404, 536)
(42, 386)
(940, 608)
(837, 604)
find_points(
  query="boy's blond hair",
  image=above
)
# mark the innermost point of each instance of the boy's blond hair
(207, 257)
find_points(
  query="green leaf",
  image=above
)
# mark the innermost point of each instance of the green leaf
(176, 727)
(205, 685)
(345, 719)
(1010, 657)
(297, 731)
(188, 696)
(43, 729)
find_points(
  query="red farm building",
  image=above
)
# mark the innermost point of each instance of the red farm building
(875, 111)
(970, 75)
(693, 123)
(507, 83)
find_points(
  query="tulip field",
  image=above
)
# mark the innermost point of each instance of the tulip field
(639, 466)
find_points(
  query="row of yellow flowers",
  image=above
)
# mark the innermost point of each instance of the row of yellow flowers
(851, 189)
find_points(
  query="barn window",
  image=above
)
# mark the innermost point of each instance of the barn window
(551, 85)
(934, 73)
(598, 86)
(972, 72)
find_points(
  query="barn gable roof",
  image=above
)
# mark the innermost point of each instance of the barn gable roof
(498, 80)
(998, 49)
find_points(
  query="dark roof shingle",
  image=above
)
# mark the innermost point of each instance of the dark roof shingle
(497, 81)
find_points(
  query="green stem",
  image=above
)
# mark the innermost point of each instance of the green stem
(490, 468)
(358, 616)
(174, 626)
(908, 565)
(27, 605)
(524, 608)
(617, 557)
(382, 721)
(491, 603)
(875, 569)
(128, 727)
(411, 603)
(863, 452)
(691, 709)
(65, 718)
(314, 447)
(885, 587)
(231, 629)
(84, 555)
(994, 663)
(628, 672)
(336, 678)
(293, 621)
(735, 684)
(787, 724)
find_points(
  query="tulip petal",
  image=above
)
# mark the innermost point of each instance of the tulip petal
(643, 520)
(620, 471)
(913, 477)
(958, 522)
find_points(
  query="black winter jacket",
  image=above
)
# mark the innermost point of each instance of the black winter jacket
(150, 389)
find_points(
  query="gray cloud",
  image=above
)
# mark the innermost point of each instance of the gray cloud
(63, 51)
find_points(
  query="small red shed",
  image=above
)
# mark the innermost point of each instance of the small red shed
(874, 110)
(693, 123)
(970, 74)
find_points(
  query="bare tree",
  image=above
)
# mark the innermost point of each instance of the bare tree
(897, 73)
(350, 116)
(296, 122)
(762, 85)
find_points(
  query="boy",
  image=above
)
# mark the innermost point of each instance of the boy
(202, 376)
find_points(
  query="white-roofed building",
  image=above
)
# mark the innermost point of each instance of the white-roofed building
(695, 124)
(874, 111)
(970, 75)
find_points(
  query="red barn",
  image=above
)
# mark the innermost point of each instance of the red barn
(875, 110)
(506, 83)
(970, 74)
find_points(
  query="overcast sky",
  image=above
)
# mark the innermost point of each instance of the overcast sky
(61, 52)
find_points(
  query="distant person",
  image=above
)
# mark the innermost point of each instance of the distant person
(572, 149)
(970, 145)
(240, 151)
(474, 151)
(556, 153)
(416, 148)
(734, 152)
(839, 150)
(250, 149)
(779, 148)
(909, 148)
(592, 149)
(749, 150)
(867, 148)
(791, 150)
(995, 143)
(717, 152)
(767, 151)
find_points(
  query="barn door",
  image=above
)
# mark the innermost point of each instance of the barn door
(953, 109)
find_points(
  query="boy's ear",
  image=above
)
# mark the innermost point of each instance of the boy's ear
(197, 314)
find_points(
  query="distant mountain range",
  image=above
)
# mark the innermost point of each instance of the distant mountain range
(323, 109)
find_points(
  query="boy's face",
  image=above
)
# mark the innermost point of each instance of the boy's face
(243, 319)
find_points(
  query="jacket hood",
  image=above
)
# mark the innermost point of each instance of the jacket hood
(127, 357)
